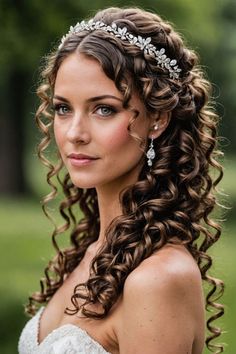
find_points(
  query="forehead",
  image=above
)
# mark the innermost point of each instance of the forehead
(82, 76)
(80, 72)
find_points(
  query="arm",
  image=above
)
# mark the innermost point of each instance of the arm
(162, 309)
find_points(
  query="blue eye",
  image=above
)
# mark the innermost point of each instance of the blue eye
(105, 111)
(61, 109)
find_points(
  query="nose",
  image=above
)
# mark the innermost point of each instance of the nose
(78, 130)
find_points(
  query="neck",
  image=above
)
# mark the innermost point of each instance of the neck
(109, 208)
(109, 201)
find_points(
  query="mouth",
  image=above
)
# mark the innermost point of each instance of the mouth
(81, 159)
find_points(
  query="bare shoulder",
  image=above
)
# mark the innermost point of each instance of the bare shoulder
(172, 267)
(163, 299)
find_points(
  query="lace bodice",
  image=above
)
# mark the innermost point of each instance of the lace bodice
(67, 339)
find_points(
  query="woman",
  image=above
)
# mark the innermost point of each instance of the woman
(130, 112)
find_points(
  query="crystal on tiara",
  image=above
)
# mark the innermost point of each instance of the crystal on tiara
(143, 43)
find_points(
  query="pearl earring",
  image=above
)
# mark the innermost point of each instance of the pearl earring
(151, 152)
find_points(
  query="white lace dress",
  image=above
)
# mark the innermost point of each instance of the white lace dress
(67, 339)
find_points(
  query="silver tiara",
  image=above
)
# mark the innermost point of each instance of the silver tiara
(143, 43)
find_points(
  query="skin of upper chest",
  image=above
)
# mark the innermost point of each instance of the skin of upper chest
(109, 331)
(54, 315)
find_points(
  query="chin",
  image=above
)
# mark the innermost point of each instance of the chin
(83, 184)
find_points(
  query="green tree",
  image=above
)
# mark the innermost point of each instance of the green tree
(30, 27)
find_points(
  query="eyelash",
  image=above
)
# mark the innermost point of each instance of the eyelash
(111, 109)
(58, 106)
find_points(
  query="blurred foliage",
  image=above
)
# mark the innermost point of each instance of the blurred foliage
(26, 247)
(29, 29)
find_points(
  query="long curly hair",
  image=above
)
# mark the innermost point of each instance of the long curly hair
(169, 203)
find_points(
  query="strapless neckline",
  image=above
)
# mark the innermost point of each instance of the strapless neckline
(57, 329)
(59, 341)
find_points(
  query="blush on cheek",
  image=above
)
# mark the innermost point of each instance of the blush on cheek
(120, 137)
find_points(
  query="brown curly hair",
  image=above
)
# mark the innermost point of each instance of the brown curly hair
(171, 202)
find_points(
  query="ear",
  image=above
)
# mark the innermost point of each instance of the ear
(159, 124)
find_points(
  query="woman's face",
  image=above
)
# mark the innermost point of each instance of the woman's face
(90, 126)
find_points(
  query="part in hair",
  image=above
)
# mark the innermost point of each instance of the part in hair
(171, 203)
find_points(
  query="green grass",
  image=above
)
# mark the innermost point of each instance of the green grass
(25, 245)
(224, 268)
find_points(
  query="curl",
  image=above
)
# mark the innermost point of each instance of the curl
(171, 203)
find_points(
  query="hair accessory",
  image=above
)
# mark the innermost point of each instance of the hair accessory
(143, 43)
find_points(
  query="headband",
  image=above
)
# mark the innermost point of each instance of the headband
(143, 43)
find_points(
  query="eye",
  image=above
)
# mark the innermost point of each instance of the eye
(61, 109)
(105, 111)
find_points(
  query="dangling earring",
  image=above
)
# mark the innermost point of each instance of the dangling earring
(151, 152)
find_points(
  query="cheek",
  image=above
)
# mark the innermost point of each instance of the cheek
(119, 138)
(58, 135)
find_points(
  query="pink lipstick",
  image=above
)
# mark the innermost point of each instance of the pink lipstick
(78, 160)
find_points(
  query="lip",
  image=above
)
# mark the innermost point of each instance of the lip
(81, 156)
(81, 159)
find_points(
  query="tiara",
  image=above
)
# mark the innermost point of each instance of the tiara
(143, 43)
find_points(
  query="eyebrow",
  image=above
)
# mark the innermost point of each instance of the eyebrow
(92, 99)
